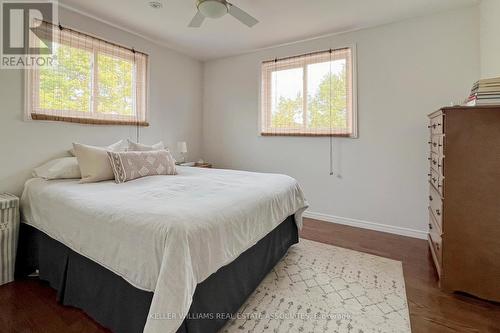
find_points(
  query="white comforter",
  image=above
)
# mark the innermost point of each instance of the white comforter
(166, 233)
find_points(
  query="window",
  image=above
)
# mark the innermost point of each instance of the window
(89, 81)
(309, 95)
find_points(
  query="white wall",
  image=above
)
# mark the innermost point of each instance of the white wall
(490, 38)
(405, 71)
(175, 109)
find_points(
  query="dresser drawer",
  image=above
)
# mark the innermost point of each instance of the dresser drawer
(437, 144)
(437, 180)
(433, 225)
(436, 206)
(436, 162)
(436, 124)
(436, 243)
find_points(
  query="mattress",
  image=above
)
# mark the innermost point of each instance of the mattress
(164, 234)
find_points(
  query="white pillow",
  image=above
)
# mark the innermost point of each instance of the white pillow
(133, 146)
(94, 163)
(60, 168)
(117, 146)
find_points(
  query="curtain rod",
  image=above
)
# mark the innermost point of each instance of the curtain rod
(60, 27)
(304, 55)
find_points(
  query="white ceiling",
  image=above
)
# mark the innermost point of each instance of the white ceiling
(281, 21)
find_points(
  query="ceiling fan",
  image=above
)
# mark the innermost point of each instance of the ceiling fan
(218, 8)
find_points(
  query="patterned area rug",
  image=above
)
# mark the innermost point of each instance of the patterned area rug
(323, 288)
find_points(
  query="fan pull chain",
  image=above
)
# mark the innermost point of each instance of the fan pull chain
(137, 127)
(331, 136)
(276, 89)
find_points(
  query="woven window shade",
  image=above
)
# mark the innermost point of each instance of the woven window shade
(309, 95)
(89, 81)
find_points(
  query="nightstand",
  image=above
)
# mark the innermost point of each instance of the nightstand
(9, 232)
(194, 164)
(202, 165)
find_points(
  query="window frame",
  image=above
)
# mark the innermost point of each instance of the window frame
(265, 89)
(140, 116)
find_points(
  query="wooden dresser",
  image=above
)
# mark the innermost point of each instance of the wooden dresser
(464, 199)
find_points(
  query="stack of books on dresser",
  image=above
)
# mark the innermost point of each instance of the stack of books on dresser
(485, 92)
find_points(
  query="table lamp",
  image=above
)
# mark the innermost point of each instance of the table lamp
(182, 148)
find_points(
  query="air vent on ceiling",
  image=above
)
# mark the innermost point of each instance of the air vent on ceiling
(155, 4)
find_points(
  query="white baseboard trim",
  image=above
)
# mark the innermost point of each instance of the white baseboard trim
(367, 225)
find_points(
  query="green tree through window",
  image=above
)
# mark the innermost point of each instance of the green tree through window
(318, 106)
(289, 112)
(67, 84)
(313, 94)
(115, 85)
(88, 80)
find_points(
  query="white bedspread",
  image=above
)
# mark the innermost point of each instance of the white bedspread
(165, 233)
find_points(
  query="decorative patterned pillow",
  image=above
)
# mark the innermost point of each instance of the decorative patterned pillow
(136, 164)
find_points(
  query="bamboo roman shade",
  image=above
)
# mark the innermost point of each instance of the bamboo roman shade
(89, 81)
(309, 95)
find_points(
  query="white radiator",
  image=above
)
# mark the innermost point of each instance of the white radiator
(9, 232)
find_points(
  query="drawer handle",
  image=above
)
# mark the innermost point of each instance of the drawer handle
(438, 212)
(430, 226)
(440, 145)
(434, 144)
(430, 198)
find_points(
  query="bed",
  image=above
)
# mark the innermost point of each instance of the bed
(159, 254)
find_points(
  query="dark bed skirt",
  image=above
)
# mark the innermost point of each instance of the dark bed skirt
(117, 305)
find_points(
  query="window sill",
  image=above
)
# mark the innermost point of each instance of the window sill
(90, 121)
(310, 135)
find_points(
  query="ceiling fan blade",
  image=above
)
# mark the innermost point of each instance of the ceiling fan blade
(242, 16)
(197, 20)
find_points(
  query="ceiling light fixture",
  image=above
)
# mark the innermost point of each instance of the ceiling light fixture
(218, 8)
(213, 8)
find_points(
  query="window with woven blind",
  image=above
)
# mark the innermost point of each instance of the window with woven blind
(309, 95)
(89, 81)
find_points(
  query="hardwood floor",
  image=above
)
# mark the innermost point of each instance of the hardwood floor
(30, 305)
